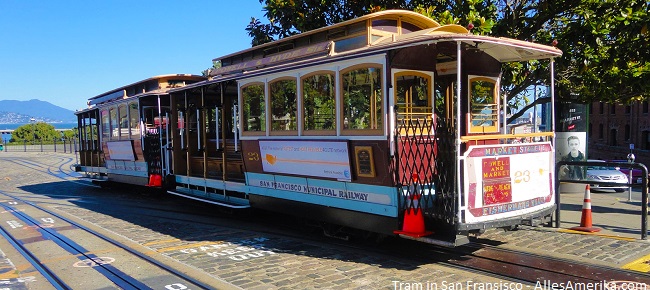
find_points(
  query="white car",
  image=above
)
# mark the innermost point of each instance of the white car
(607, 174)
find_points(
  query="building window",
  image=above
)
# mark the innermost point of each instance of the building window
(645, 107)
(283, 105)
(253, 108)
(628, 109)
(362, 95)
(589, 131)
(612, 137)
(600, 131)
(602, 108)
(645, 140)
(319, 104)
(627, 132)
(612, 109)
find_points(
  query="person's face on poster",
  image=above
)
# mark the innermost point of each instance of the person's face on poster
(574, 146)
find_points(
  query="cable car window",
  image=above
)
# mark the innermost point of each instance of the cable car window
(413, 96)
(106, 125)
(351, 43)
(114, 125)
(362, 99)
(124, 122)
(253, 108)
(388, 25)
(283, 105)
(134, 120)
(319, 102)
(483, 105)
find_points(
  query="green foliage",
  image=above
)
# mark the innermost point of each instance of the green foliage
(605, 43)
(35, 132)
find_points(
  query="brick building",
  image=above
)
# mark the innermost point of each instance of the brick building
(613, 127)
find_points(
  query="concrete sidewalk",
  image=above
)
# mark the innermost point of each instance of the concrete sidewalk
(616, 214)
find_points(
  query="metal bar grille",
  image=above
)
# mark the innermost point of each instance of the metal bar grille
(424, 166)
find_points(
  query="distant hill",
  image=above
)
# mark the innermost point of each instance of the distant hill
(12, 112)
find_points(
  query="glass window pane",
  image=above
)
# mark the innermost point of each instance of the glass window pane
(106, 125)
(388, 25)
(134, 120)
(254, 109)
(283, 105)
(362, 99)
(351, 43)
(114, 125)
(483, 105)
(319, 102)
(124, 122)
(413, 96)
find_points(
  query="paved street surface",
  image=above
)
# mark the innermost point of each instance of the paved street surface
(256, 260)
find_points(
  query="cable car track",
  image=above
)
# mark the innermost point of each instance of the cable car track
(48, 231)
(483, 259)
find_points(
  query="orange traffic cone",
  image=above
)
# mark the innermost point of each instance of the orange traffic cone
(155, 180)
(413, 220)
(585, 220)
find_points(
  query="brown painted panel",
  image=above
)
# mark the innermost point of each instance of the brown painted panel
(380, 157)
(251, 155)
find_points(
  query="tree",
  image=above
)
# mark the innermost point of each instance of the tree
(35, 132)
(605, 43)
(70, 134)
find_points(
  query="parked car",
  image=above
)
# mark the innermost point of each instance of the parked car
(637, 174)
(613, 175)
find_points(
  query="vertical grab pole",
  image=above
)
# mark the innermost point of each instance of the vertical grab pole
(235, 122)
(557, 185)
(181, 115)
(198, 129)
(216, 126)
(458, 126)
(167, 146)
(160, 127)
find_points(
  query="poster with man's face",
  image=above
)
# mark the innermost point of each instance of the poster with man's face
(571, 146)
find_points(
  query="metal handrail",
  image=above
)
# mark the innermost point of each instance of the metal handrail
(643, 185)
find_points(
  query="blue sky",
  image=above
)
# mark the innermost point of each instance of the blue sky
(65, 52)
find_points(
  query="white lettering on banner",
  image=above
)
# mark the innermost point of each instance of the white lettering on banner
(323, 191)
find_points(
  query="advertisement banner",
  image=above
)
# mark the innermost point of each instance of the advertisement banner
(508, 180)
(121, 150)
(329, 159)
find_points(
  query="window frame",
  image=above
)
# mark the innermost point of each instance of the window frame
(265, 105)
(303, 115)
(269, 101)
(382, 112)
(494, 128)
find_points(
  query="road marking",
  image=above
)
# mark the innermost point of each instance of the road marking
(640, 265)
(188, 246)
(94, 262)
